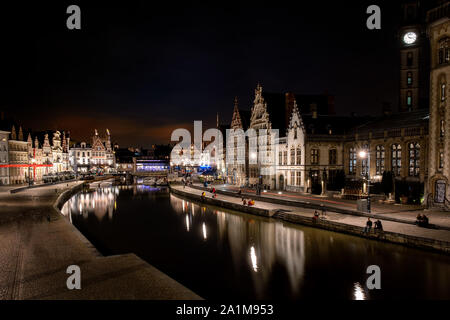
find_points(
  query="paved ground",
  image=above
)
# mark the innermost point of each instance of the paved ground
(35, 253)
(403, 228)
(408, 213)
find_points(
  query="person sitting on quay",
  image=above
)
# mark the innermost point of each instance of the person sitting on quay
(368, 226)
(239, 192)
(378, 226)
(422, 220)
(316, 216)
(203, 196)
(244, 201)
(251, 202)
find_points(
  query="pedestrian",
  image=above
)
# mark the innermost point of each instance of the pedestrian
(239, 192)
(203, 196)
(368, 226)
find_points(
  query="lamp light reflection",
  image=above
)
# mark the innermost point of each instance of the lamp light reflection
(358, 292)
(254, 259)
(204, 231)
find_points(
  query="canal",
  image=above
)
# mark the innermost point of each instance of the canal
(221, 254)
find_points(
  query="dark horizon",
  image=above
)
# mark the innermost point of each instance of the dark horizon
(141, 71)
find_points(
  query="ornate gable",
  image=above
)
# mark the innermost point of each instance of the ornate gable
(259, 118)
(295, 120)
(97, 143)
(236, 122)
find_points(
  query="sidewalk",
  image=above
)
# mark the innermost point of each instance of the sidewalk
(35, 253)
(393, 212)
(349, 220)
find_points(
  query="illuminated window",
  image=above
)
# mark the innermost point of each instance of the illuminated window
(352, 161)
(314, 156)
(379, 159)
(414, 159)
(409, 99)
(441, 160)
(364, 162)
(396, 158)
(442, 128)
(443, 92)
(409, 78)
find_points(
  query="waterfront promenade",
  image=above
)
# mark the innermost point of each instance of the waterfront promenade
(393, 212)
(394, 231)
(38, 244)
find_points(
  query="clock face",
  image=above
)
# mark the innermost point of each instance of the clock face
(409, 37)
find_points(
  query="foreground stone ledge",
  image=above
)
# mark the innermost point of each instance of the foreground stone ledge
(36, 252)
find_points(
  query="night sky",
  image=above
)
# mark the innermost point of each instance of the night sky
(142, 69)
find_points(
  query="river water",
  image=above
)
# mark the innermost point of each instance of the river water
(222, 254)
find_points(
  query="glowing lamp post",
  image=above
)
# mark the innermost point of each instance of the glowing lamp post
(363, 155)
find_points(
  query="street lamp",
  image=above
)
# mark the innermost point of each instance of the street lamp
(363, 154)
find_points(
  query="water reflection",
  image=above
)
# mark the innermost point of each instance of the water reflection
(358, 292)
(222, 254)
(275, 243)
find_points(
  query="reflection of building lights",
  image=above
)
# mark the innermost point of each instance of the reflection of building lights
(115, 205)
(253, 258)
(358, 292)
(187, 223)
(265, 191)
(204, 231)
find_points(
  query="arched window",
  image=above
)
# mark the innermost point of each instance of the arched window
(409, 59)
(409, 100)
(299, 156)
(379, 159)
(352, 161)
(292, 156)
(414, 159)
(365, 161)
(396, 159)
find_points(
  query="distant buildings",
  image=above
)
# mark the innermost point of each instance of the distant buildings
(95, 157)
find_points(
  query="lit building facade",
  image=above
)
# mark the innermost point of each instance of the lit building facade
(438, 191)
(4, 157)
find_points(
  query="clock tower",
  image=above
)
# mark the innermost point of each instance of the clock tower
(413, 47)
